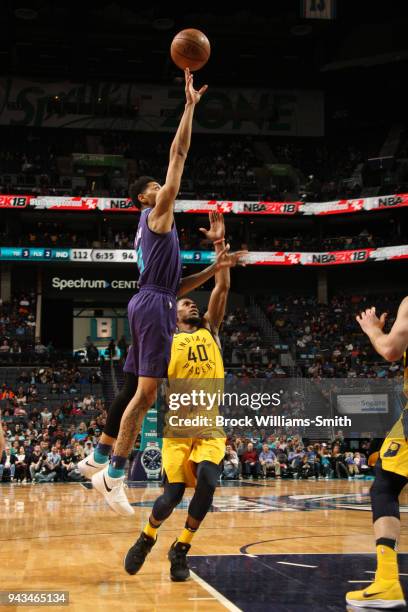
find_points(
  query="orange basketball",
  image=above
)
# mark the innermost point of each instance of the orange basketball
(190, 49)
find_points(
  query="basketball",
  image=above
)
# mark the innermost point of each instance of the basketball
(190, 49)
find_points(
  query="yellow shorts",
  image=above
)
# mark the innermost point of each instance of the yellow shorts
(394, 451)
(180, 455)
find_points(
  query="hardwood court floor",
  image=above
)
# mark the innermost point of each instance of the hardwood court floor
(259, 536)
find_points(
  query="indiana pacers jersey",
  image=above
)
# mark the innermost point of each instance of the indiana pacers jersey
(394, 450)
(195, 355)
(196, 366)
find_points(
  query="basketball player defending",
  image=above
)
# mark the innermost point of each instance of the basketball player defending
(195, 354)
(391, 472)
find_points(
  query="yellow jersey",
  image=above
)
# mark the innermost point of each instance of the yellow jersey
(195, 355)
(196, 365)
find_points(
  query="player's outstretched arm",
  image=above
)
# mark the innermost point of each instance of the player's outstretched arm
(224, 259)
(161, 217)
(390, 346)
(219, 295)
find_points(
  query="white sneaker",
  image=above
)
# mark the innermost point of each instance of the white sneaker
(113, 490)
(88, 466)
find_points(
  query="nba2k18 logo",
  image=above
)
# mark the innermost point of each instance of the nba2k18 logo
(13, 202)
(277, 208)
(340, 257)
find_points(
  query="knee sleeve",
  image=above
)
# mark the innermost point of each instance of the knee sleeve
(165, 504)
(119, 404)
(207, 478)
(385, 492)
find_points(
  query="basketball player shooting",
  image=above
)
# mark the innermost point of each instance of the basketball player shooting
(391, 472)
(152, 311)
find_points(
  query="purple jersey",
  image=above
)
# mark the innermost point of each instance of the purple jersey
(158, 256)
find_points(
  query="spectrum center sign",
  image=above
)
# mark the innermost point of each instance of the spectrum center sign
(58, 283)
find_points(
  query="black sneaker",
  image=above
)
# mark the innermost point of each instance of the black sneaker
(137, 554)
(177, 556)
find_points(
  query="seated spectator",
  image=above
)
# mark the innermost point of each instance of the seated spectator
(306, 468)
(46, 416)
(313, 457)
(81, 434)
(21, 397)
(21, 465)
(88, 402)
(88, 448)
(50, 468)
(268, 462)
(230, 470)
(5, 347)
(250, 463)
(79, 452)
(338, 462)
(239, 447)
(283, 461)
(69, 471)
(351, 465)
(7, 465)
(54, 389)
(295, 458)
(361, 462)
(325, 462)
(35, 461)
(6, 393)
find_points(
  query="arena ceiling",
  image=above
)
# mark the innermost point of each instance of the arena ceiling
(124, 40)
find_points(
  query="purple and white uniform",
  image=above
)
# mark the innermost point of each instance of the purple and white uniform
(152, 311)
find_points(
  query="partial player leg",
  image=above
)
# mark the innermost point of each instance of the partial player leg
(100, 456)
(208, 474)
(162, 509)
(110, 481)
(385, 591)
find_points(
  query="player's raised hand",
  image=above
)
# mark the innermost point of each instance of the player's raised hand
(217, 227)
(193, 96)
(225, 259)
(369, 321)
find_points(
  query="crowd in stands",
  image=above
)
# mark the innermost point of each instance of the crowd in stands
(218, 166)
(252, 237)
(365, 239)
(52, 417)
(54, 414)
(17, 326)
(326, 337)
(288, 457)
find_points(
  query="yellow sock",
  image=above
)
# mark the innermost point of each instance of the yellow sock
(186, 536)
(387, 565)
(150, 531)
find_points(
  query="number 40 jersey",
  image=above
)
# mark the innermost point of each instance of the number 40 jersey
(195, 355)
